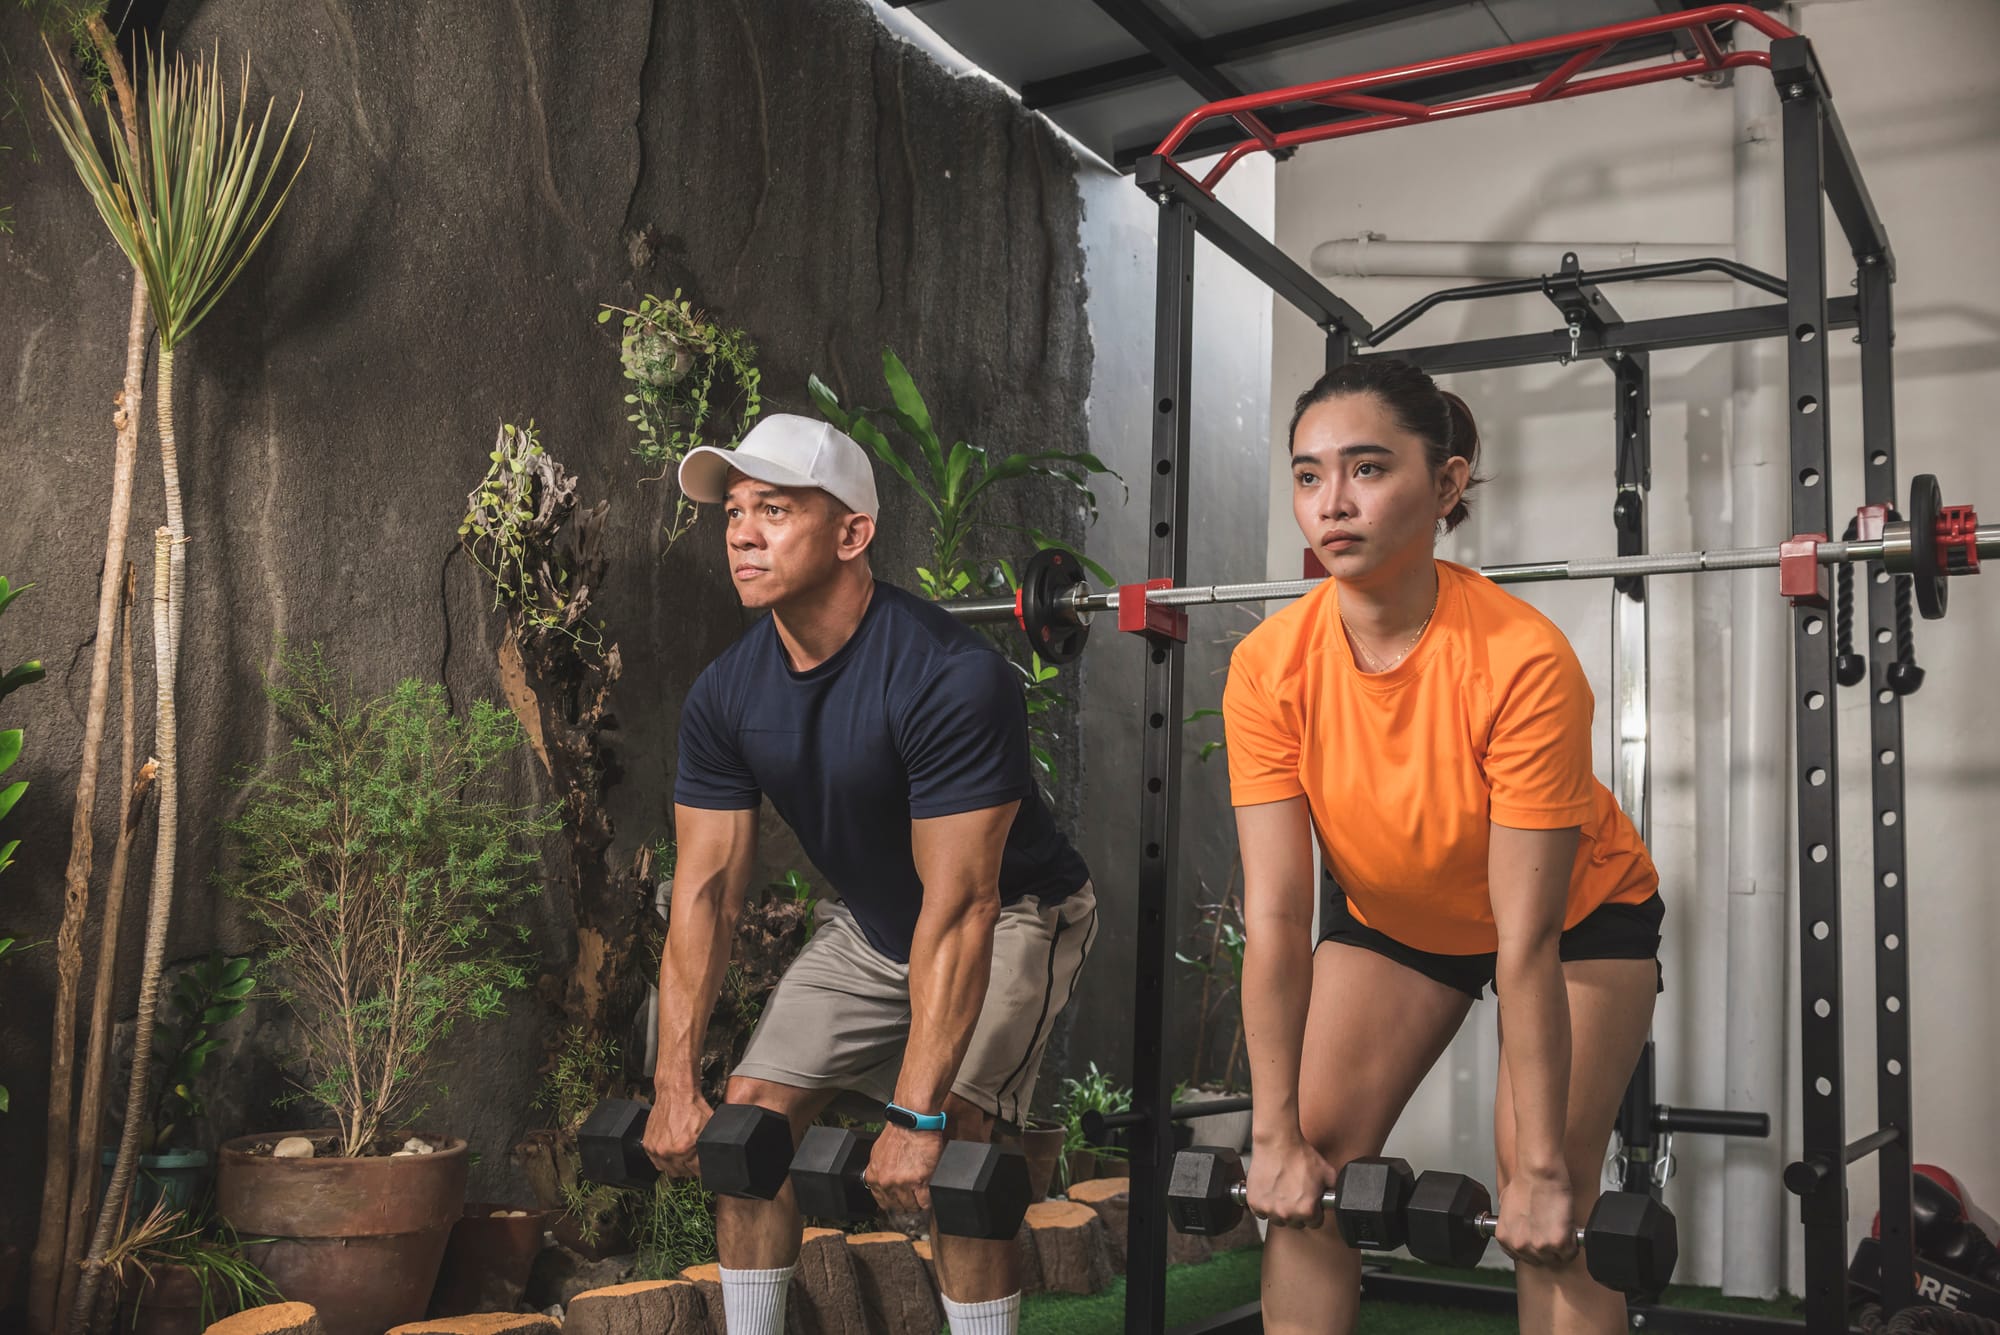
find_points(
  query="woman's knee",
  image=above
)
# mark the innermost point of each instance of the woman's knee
(1338, 1136)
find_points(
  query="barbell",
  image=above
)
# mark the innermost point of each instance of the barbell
(1054, 603)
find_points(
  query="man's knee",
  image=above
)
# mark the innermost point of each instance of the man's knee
(967, 1121)
(799, 1106)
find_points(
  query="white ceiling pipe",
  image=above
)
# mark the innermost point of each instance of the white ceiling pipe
(1373, 256)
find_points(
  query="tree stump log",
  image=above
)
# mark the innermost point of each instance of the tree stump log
(825, 1290)
(643, 1307)
(898, 1294)
(271, 1319)
(1071, 1253)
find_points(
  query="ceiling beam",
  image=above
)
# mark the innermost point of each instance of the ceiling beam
(1149, 23)
(1241, 44)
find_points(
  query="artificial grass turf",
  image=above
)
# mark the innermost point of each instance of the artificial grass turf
(1230, 1280)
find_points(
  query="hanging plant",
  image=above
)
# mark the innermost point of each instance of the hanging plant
(692, 381)
(509, 517)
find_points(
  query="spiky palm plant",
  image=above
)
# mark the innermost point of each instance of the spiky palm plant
(188, 207)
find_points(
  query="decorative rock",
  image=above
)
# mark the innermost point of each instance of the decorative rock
(273, 1319)
(898, 1295)
(486, 1323)
(414, 1145)
(825, 1292)
(1070, 1248)
(560, 1275)
(292, 1147)
(644, 1307)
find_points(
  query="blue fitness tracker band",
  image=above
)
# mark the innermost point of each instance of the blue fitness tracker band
(913, 1121)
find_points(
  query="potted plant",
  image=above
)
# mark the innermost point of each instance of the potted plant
(1043, 1142)
(176, 1272)
(208, 994)
(588, 1218)
(380, 856)
(1218, 937)
(1095, 1092)
(10, 751)
(958, 482)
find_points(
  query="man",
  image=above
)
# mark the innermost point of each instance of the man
(893, 740)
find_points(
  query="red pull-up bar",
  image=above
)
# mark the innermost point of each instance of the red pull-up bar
(1357, 92)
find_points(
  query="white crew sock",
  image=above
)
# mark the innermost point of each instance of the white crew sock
(1002, 1316)
(753, 1301)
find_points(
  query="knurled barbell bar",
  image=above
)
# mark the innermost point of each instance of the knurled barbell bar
(1054, 603)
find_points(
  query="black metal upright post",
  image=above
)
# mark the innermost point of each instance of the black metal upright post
(1159, 797)
(1631, 415)
(1823, 1204)
(1885, 719)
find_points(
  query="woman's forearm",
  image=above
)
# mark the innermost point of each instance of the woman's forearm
(1277, 988)
(1534, 1016)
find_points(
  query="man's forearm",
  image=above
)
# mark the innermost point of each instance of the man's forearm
(951, 960)
(1534, 1016)
(700, 932)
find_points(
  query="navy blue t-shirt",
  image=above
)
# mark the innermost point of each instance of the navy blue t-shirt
(916, 716)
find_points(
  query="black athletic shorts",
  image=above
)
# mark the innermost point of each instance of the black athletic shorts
(1608, 932)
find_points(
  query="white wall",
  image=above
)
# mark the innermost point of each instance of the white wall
(1915, 88)
(1230, 405)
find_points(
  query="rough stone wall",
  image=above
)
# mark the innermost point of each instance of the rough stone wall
(482, 177)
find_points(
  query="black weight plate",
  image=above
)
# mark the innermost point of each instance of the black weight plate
(1926, 562)
(1052, 632)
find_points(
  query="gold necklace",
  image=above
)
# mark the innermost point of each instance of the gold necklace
(1377, 664)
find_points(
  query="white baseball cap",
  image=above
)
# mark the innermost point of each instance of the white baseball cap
(787, 451)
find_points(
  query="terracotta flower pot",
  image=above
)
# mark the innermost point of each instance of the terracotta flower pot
(166, 1301)
(487, 1260)
(1042, 1143)
(359, 1239)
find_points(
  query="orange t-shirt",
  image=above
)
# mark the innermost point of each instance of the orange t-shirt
(1486, 721)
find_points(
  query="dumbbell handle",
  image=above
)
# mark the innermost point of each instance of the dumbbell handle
(1489, 1224)
(1240, 1193)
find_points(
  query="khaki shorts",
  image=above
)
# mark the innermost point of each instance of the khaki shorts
(840, 1016)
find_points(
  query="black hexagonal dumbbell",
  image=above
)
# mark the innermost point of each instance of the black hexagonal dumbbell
(826, 1174)
(1206, 1195)
(1629, 1244)
(978, 1191)
(743, 1151)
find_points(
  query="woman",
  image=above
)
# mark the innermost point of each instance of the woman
(1432, 732)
